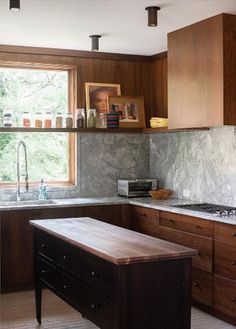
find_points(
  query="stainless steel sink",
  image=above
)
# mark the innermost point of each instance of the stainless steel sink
(26, 203)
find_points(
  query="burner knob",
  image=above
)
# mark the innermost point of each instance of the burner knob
(232, 212)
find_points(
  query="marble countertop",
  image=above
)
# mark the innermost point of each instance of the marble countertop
(164, 205)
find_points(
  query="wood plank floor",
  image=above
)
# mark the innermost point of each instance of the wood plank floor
(17, 312)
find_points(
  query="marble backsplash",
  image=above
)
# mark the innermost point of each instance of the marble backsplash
(101, 160)
(203, 163)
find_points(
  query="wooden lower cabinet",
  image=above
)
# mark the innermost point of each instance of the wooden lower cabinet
(202, 283)
(204, 246)
(145, 220)
(224, 296)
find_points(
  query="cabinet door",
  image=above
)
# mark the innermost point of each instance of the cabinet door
(62, 212)
(145, 220)
(203, 260)
(17, 249)
(224, 296)
(202, 286)
(110, 214)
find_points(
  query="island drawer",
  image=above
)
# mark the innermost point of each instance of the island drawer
(225, 260)
(225, 233)
(47, 272)
(46, 245)
(187, 223)
(145, 220)
(224, 296)
(202, 284)
(97, 308)
(203, 260)
(69, 259)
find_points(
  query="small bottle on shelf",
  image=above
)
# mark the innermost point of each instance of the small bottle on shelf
(38, 122)
(7, 118)
(80, 120)
(59, 120)
(48, 120)
(26, 119)
(91, 119)
(102, 120)
(69, 120)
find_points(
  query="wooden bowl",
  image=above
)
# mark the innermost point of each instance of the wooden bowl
(160, 194)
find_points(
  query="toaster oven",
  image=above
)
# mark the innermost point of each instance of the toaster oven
(136, 187)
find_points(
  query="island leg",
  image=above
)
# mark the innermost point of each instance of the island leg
(38, 300)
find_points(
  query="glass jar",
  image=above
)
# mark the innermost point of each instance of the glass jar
(69, 120)
(38, 122)
(91, 119)
(48, 120)
(26, 119)
(102, 120)
(7, 118)
(59, 120)
(80, 120)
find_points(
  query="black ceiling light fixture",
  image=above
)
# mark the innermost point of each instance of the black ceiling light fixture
(152, 15)
(15, 5)
(95, 42)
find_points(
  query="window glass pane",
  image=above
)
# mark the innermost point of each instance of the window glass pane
(34, 91)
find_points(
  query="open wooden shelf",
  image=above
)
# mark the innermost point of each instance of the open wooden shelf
(98, 130)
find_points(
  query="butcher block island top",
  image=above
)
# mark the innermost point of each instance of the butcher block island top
(114, 244)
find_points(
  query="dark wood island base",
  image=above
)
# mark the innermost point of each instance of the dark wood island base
(116, 278)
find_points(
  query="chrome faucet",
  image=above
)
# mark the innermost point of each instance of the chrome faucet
(18, 193)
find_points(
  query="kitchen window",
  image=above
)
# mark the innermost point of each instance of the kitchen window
(38, 88)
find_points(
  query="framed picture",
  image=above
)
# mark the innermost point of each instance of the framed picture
(97, 95)
(131, 110)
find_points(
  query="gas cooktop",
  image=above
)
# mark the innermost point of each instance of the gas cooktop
(213, 209)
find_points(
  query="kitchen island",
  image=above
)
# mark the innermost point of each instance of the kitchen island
(115, 277)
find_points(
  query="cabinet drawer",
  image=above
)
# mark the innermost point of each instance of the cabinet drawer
(46, 272)
(224, 296)
(111, 214)
(46, 245)
(69, 288)
(98, 273)
(145, 220)
(69, 259)
(97, 308)
(225, 233)
(225, 260)
(203, 260)
(202, 284)
(187, 224)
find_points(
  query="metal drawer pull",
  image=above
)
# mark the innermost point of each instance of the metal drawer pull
(94, 306)
(43, 245)
(93, 273)
(233, 300)
(171, 221)
(65, 287)
(234, 234)
(64, 257)
(197, 226)
(44, 272)
(197, 285)
(233, 262)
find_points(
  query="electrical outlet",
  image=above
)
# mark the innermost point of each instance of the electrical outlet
(186, 193)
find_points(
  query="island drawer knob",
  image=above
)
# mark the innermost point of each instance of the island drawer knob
(94, 306)
(43, 245)
(94, 273)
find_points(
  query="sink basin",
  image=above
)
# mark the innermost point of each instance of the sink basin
(25, 203)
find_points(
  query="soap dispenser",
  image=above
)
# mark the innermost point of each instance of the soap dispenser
(43, 193)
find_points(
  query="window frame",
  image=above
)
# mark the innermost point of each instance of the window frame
(72, 102)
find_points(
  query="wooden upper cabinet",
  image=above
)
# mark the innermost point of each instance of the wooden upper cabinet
(202, 73)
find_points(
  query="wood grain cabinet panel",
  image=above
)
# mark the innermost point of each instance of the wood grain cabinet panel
(62, 212)
(225, 260)
(224, 296)
(204, 246)
(145, 220)
(111, 214)
(187, 224)
(202, 284)
(225, 233)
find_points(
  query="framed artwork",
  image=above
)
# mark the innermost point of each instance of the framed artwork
(97, 95)
(131, 110)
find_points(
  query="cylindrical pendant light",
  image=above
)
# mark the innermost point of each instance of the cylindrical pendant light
(152, 15)
(14, 5)
(95, 42)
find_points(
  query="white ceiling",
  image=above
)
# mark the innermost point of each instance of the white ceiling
(67, 24)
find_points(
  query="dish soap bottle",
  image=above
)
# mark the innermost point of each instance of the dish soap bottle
(43, 193)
